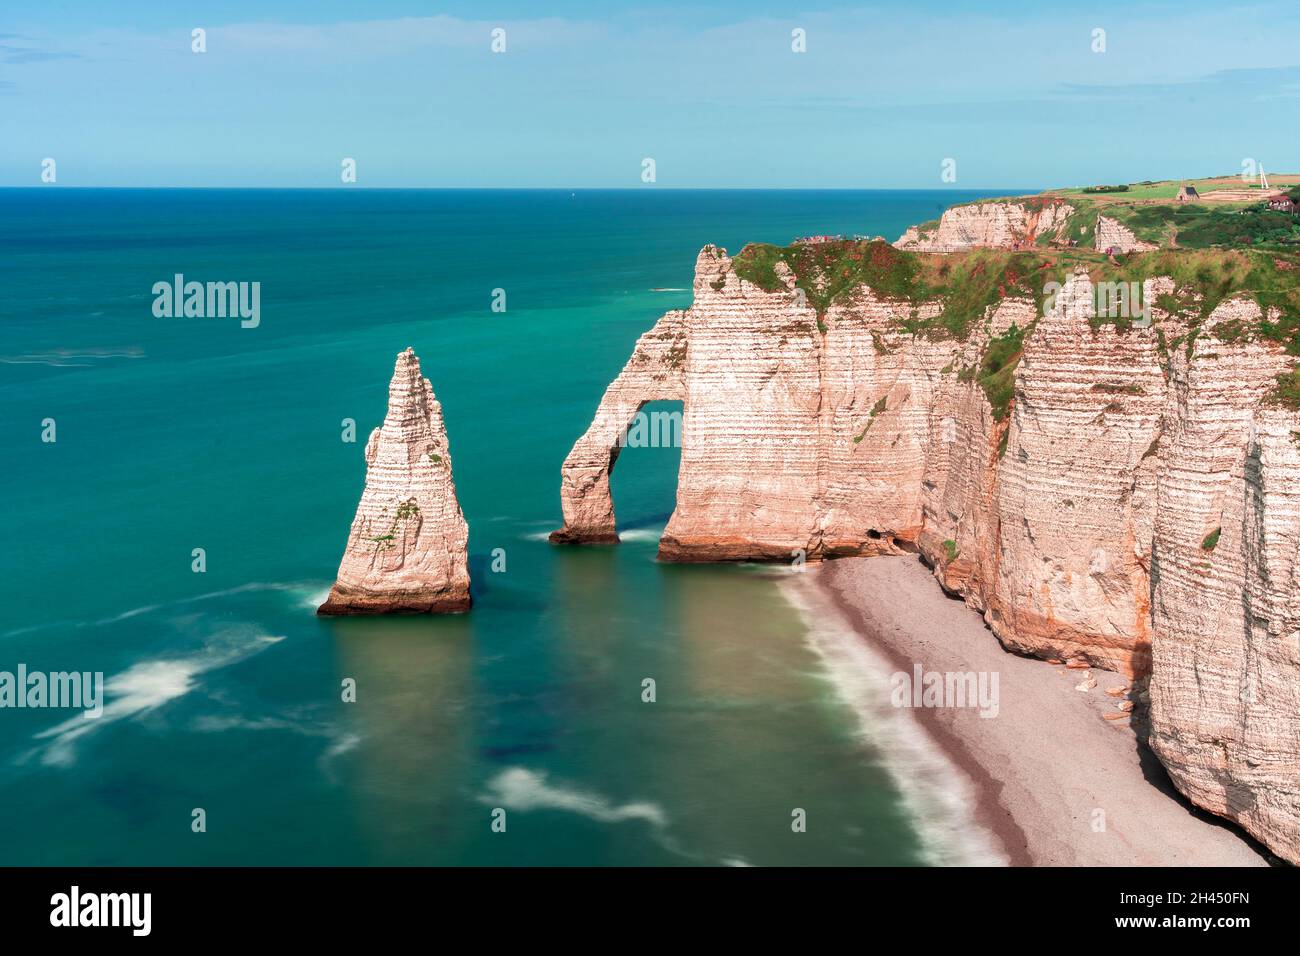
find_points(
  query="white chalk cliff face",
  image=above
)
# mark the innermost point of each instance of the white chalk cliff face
(407, 550)
(1225, 677)
(1075, 520)
(1014, 224)
(990, 225)
(653, 373)
(1114, 236)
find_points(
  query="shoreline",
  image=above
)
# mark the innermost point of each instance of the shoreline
(1050, 778)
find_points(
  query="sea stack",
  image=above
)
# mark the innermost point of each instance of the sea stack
(407, 550)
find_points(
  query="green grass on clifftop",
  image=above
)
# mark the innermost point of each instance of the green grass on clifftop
(1151, 211)
(964, 285)
(832, 273)
(1204, 226)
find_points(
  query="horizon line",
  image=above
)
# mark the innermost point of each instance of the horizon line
(629, 189)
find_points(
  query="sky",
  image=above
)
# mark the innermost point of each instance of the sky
(1013, 94)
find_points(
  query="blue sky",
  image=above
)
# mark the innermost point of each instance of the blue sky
(585, 91)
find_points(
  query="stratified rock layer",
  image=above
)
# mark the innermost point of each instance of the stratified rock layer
(1076, 522)
(1114, 236)
(653, 373)
(1014, 224)
(407, 550)
(1225, 678)
(1008, 224)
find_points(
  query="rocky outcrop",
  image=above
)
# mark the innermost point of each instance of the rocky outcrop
(1077, 517)
(407, 550)
(653, 373)
(1114, 236)
(1006, 224)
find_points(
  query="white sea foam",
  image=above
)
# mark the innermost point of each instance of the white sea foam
(629, 534)
(300, 588)
(127, 615)
(68, 358)
(314, 598)
(340, 741)
(521, 789)
(218, 723)
(937, 795)
(624, 534)
(148, 685)
(341, 745)
(306, 594)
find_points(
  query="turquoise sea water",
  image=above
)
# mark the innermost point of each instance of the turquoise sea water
(224, 688)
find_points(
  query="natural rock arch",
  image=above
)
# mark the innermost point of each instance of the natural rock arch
(655, 372)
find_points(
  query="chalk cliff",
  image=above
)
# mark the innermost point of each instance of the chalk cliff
(1008, 224)
(653, 373)
(1112, 235)
(1060, 470)
(406, 552)
(1022, 224)
(1225, 679)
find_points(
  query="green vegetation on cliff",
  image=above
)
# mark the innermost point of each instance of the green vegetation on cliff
(1287, 391)
(832, 273)
(998, 369)
(1226, 213)
(957, 290)
(1203, 226)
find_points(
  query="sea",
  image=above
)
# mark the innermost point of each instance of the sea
(177, 491)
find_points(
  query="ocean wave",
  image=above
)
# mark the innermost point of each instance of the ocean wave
(148, 685)
(303, 591)
(340, 741)
(67, 358)
(936, 794)
(314, 599)
(641, 534)
(340, 745)
(306, 594)
(629, 534)
(521, 789)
